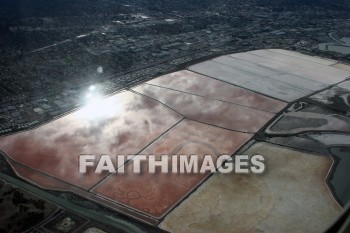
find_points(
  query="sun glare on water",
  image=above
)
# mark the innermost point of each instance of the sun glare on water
(97, 107)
